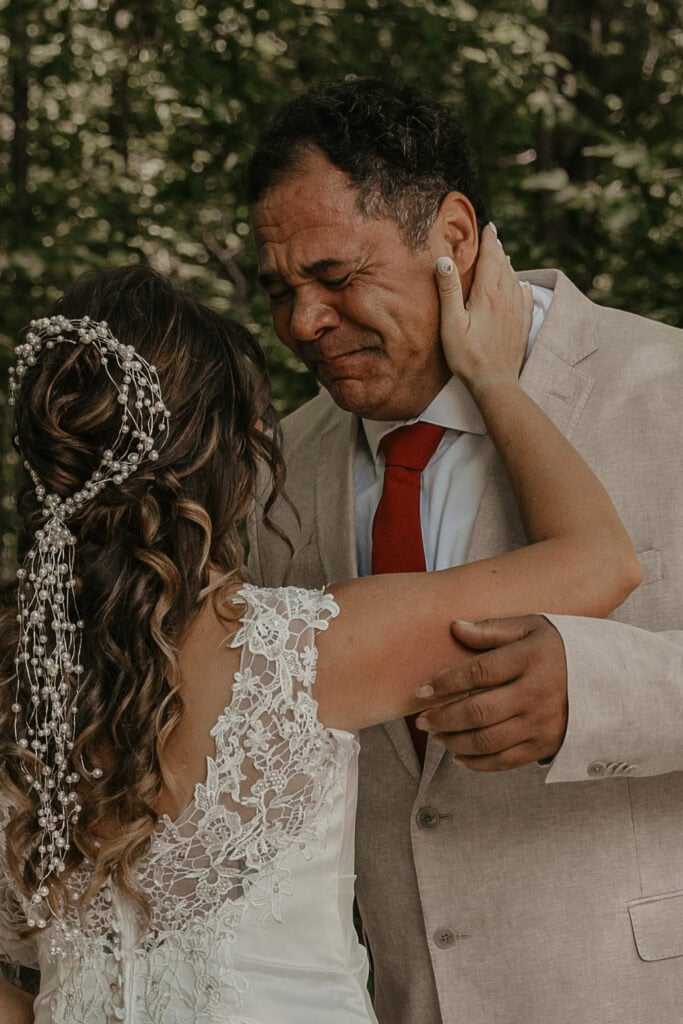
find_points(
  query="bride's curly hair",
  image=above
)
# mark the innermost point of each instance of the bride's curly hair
(145, 549)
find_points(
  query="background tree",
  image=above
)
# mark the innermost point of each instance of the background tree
(125, 126)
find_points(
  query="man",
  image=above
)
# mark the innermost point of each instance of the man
(487, 896)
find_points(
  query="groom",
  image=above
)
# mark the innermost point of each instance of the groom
(553, 892)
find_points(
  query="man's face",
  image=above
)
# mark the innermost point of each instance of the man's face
(348, 295)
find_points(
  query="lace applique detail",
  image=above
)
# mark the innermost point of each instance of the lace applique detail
(274, 773)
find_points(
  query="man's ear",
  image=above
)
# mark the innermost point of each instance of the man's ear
(455, 233)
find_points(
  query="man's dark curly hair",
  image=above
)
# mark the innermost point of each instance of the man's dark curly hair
(402, 150)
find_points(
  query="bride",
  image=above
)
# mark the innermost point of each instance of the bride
(178, 777)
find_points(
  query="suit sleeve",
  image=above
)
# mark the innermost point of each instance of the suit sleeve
(625, 690)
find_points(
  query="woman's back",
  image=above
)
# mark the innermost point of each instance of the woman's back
(250, 888)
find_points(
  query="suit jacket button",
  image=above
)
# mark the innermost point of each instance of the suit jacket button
(596, 769)
(427, 818)
(444, 937)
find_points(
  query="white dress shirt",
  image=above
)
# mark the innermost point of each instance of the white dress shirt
(453, 480)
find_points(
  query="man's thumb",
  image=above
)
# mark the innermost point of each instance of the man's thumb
(482, 636)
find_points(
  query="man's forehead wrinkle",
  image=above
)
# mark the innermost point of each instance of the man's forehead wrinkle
(282, 232)
(283, 222)
(307, 250)
(318, 205)
(309, 222)
(271, 273)
(282, 213)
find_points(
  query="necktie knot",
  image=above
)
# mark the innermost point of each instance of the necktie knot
(412, 446)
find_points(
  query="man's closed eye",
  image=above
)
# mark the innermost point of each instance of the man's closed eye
(338, 282)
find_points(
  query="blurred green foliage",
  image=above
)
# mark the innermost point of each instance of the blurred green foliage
(125, 126)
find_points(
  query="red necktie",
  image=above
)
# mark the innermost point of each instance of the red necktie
(396, 530)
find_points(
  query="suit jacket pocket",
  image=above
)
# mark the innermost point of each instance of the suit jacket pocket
(651, 564)
(657, 923)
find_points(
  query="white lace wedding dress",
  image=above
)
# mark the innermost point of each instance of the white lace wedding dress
(250, 889)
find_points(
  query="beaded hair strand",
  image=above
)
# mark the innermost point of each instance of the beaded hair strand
(48, 660)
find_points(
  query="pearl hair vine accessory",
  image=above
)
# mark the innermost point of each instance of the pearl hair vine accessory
(48, 661)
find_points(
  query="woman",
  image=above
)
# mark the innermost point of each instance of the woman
(179, 758)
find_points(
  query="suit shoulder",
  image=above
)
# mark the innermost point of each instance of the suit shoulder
(307, 421)
(639, 356)
(630, 328)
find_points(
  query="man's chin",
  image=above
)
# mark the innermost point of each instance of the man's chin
(353, 396)
(356, 397)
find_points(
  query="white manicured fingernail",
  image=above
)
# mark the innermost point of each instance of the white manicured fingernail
(463, 622)
(425, 691)
(524, 284)
(445, 265)
(493, 228)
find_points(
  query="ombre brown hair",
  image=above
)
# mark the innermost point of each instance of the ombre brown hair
(149, 551)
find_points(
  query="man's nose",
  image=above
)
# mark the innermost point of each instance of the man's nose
(312, 314)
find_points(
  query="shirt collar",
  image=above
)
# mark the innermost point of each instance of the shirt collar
(454, 407)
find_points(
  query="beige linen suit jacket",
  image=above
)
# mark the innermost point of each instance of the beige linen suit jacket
(542, 895)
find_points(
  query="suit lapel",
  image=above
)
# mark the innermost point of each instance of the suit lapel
(403, 745)
(335, 525)
(553, 378)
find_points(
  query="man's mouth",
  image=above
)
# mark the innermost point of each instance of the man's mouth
(331, 360)
(336, 363)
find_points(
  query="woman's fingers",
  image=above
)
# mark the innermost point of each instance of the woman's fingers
(493, 266)
(454, 318)
(488, 333)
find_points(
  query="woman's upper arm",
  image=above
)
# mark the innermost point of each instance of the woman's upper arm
(393, 632)
(389, 638)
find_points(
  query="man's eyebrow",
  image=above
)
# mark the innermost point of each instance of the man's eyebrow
(267, 278)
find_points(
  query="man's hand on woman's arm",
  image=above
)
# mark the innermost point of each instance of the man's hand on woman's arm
(511, 707)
